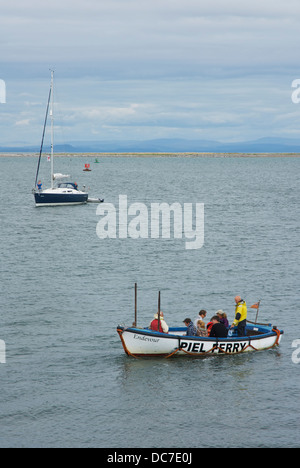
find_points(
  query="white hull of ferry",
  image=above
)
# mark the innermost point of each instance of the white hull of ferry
(144, 342)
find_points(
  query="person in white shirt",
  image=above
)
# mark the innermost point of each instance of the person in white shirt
(201, 316)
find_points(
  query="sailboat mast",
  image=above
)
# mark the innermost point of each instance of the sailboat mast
(42, 143)
(52, 129)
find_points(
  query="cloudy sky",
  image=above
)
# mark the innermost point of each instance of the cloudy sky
(139, 69)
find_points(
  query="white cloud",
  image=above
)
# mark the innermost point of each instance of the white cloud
(22, 123)
(161, 36)
(165, 67)
(109, 113)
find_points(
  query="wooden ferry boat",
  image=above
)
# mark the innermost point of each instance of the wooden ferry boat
(144, 342)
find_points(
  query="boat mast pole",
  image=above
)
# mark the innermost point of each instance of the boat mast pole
(52, 129)
(135, 306)
(158, 324)
(42, 143)
(258, 304)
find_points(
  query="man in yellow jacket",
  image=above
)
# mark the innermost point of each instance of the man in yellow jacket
(240, 319)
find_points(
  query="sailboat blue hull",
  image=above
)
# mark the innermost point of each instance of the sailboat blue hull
(57, 199)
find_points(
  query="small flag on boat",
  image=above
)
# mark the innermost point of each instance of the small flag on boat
(255, 306)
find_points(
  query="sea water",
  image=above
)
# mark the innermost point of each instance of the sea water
(66, 381)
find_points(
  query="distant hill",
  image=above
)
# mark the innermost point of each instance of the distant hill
(263, 145)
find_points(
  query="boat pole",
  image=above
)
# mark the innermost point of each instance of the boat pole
(135, 306)
(42, 143)
(158, 324)
(52, 129)
(258, 304)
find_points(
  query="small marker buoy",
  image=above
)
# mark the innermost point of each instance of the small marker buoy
(87, 168)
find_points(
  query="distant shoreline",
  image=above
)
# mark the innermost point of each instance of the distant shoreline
(158, 155)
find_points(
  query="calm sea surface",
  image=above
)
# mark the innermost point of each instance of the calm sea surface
(67, 381)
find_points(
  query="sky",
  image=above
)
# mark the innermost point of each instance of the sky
(141, 70)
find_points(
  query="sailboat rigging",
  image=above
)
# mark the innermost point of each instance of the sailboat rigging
(66, 193)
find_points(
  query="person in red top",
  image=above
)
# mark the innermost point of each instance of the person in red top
(163, 327)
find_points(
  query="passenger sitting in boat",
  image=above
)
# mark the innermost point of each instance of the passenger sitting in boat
(223, 318)
(163, 327)
(201, 316)
(201, 330)
(191, 329)
(218, 329)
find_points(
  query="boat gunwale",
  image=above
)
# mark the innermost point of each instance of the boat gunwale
(156, 334)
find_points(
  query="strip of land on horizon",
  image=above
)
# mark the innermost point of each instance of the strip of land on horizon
(156, 154)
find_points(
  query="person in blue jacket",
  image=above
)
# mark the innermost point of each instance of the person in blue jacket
(191, 329)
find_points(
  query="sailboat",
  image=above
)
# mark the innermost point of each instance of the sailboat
(64, 193)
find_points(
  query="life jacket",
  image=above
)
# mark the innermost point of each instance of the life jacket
(154, 326)
(240, 312)
(209, 327)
